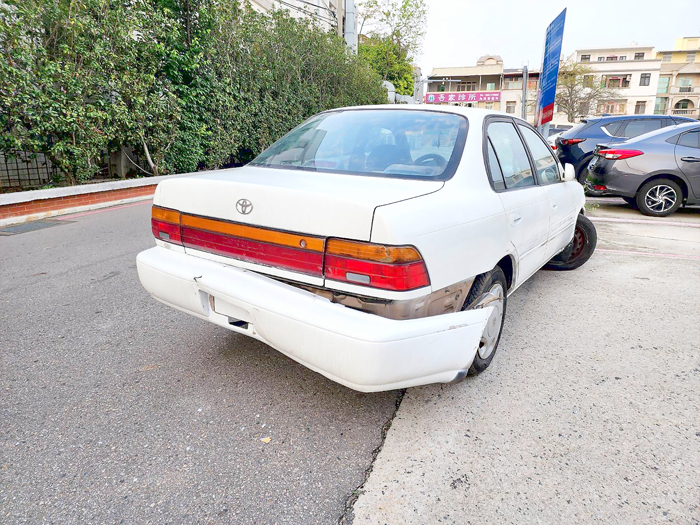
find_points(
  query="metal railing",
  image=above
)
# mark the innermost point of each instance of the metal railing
(695, 90)
(690, 112)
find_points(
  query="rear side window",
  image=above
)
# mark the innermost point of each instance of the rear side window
(546, 166)
(511, 155)
(634, 128)
(612, 128)
(690, 140)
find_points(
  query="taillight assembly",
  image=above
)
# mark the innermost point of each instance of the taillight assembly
(619, 154)
(165, 224)
(399, 268)
(570, 142)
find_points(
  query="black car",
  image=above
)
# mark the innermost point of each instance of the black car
(658, 172)
(576, 146)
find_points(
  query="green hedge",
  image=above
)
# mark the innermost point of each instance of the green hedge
(192, 84)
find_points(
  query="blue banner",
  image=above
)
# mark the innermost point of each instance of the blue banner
(550, 70)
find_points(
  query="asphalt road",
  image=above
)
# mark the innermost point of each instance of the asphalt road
(114, 407)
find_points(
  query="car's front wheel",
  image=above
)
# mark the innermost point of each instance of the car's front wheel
(579, 250)
(488, 289)
(659, 198)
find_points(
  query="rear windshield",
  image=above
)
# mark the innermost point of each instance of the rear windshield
(380, 142)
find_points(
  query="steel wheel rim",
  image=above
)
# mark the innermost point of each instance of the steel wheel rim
(660, 198)
(579, 241)
(494, 297)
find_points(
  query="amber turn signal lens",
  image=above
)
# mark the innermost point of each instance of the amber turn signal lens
(164, 214)
(372, 252)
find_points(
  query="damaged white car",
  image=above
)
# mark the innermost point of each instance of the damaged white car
(375, 245)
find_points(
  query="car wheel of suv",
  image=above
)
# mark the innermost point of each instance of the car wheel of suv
(659, 198)
(488, 289)
(579, 250)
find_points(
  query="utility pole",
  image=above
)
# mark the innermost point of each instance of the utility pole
(350, 30)
(523, 109)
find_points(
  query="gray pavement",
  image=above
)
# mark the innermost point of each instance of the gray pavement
(589, 411)
(116, 408)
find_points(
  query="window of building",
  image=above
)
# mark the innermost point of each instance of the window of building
(601, 59)
(510, 107)
(623, 57)
(490, 86)
(441, 87)
(639, 56)
(585, 58)
(683, 104)
(611, 58)
(690, 57)
(488, 105)
(660, 106)
(663, 85)
(588, 80)
(532, 84)
(616, 82)
(640, 108)
(667, 57)
(514, 84)
(512, 158)
(613, 107)
(645, 79)
(685, 85)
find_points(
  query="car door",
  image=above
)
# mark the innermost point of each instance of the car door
(562, 209)
(525, 203)
(688, 158)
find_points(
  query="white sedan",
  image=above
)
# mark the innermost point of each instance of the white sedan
(375, 245)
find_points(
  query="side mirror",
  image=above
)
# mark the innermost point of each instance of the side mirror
(569, 172)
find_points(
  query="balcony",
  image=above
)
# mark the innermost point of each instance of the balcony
(685, 90)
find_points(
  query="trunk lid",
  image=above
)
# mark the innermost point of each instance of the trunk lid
(314, 203)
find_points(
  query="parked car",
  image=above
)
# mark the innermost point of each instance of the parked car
(658, 172)
(375, 245)
(577, 145)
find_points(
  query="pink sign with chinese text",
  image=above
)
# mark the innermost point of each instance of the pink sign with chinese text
(462, 96)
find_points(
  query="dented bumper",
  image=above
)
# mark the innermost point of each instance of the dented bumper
(362, 351)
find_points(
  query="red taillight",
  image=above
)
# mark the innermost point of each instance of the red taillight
(570, 142)
(165, 224)
(619, 154)
(554, 146)
(397, 268)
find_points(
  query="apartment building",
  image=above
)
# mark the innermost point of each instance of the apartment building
(512, 92)
(678, 90)
(329, 14)
(633, 72)
(469, 86)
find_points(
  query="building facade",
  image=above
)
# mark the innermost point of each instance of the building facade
(632, 72)
(329, 14)
(678, 90)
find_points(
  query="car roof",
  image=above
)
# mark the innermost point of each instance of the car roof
(613, 118)
(662, 133)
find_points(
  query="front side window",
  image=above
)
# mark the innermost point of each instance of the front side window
(386, 143)
(546, 166)
(510, 152)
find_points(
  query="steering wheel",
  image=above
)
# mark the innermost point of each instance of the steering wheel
(439, 160)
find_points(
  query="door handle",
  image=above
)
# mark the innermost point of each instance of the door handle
(690, 159)
(515, 219)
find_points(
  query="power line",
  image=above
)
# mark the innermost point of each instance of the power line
(306, 12)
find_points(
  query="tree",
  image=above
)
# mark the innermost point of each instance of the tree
(579, 91)
(395, 33)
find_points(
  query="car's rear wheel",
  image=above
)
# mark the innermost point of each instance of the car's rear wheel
(488, 289)
(659, 198)
(579, 250)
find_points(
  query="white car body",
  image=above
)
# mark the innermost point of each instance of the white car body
(461, 227)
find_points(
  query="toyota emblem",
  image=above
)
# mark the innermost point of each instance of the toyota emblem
(244, 206)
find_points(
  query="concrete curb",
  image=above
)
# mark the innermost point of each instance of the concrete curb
(69, 191)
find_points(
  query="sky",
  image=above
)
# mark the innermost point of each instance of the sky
(460, 31)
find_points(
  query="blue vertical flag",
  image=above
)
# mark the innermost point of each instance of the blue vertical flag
(550, 70)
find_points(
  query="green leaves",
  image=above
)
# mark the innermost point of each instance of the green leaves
(196, 83)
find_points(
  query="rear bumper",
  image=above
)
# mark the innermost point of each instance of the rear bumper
(362, 351)
(616, 176)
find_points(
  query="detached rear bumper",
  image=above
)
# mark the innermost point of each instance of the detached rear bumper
(362, 351)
